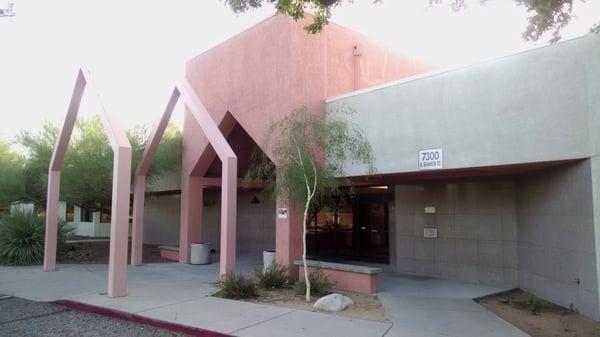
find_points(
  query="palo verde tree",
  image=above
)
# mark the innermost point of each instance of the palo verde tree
(309, 152)
(544, 15)
(86, 178)
(38, 147)
(12, 183)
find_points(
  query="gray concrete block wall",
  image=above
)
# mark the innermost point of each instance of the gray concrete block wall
(476, 223)
(255, 222)
(556, 244)
(161, 220)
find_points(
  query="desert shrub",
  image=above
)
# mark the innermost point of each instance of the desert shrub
(22, 236)
(274, 277)
(237, 286)
(319, 283)
(534, 304)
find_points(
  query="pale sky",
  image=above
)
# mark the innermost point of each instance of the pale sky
(136, 50)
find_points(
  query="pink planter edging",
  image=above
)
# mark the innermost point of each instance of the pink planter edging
(347, 280)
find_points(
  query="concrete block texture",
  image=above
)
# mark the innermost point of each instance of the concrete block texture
(556, 239)
(255, 230)
(534, 230)
(477, 230)
(255, 223)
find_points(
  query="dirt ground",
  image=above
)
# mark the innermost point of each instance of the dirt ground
(364, 307)
(551, 320)
(97, 252)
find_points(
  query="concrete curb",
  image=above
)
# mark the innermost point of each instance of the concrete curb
(121, 315)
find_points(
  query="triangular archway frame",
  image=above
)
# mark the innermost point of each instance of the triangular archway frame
(228, 178)
(119, 227)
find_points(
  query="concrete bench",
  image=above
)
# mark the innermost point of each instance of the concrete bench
(360, 279)
(169, 252)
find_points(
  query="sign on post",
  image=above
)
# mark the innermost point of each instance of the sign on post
(282, 213)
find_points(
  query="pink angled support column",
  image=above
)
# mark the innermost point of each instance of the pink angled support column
(192, 186)
(228, 183)
(58, 157)
(119, 225)
(51, 220)
(137, 232)
(191, 192)
(117, 267)
(190, 231)
(228, 215)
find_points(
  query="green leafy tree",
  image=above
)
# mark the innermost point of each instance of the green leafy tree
(168, 155)
(545, 15)
(86, 178)
(309, 152)
(39, 147)
(12, 178)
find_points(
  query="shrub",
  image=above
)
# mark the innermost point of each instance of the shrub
(274, 277)
(319, 283)
(22, 236)
(237, 286)
(534, 304)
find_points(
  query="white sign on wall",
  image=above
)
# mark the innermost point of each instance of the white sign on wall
(430, 232)
(429, 209)
(431, 159)
(282, 213)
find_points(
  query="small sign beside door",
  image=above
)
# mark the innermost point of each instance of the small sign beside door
(431, 159)
(282, 213)
(430, 232)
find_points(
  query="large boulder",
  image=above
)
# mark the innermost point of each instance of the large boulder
(333, 302)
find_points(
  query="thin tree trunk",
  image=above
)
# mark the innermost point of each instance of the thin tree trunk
(306, 279)
(309, 195)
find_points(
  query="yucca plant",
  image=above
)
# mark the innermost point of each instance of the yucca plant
(22, 238)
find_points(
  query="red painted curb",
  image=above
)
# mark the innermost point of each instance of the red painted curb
(125, 316)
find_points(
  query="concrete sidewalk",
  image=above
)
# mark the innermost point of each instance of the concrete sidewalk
(180, 293)
(428, 307)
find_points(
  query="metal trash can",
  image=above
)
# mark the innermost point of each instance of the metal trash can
(200, 253)
(268, 259)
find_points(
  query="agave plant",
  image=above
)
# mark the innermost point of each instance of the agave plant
(22, 238)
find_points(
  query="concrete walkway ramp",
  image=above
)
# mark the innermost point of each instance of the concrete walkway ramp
(428, 307)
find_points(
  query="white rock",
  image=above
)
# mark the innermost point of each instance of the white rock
(333, 302)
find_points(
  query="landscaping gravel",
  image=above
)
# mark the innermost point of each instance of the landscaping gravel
(19, 317)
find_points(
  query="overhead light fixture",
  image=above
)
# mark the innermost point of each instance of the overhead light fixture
(382, 187)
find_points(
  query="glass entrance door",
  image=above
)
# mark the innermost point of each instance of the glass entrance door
(373, 238)
(358, 229)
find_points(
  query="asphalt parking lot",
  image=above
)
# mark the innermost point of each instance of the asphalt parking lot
(20, 317)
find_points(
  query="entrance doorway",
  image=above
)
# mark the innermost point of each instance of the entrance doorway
(357, 228)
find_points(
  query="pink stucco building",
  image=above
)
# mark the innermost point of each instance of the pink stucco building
(255, 78)
(486, 174)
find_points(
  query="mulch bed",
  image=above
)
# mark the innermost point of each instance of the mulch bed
(97, 253)
(551, 320)
(365, 306)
